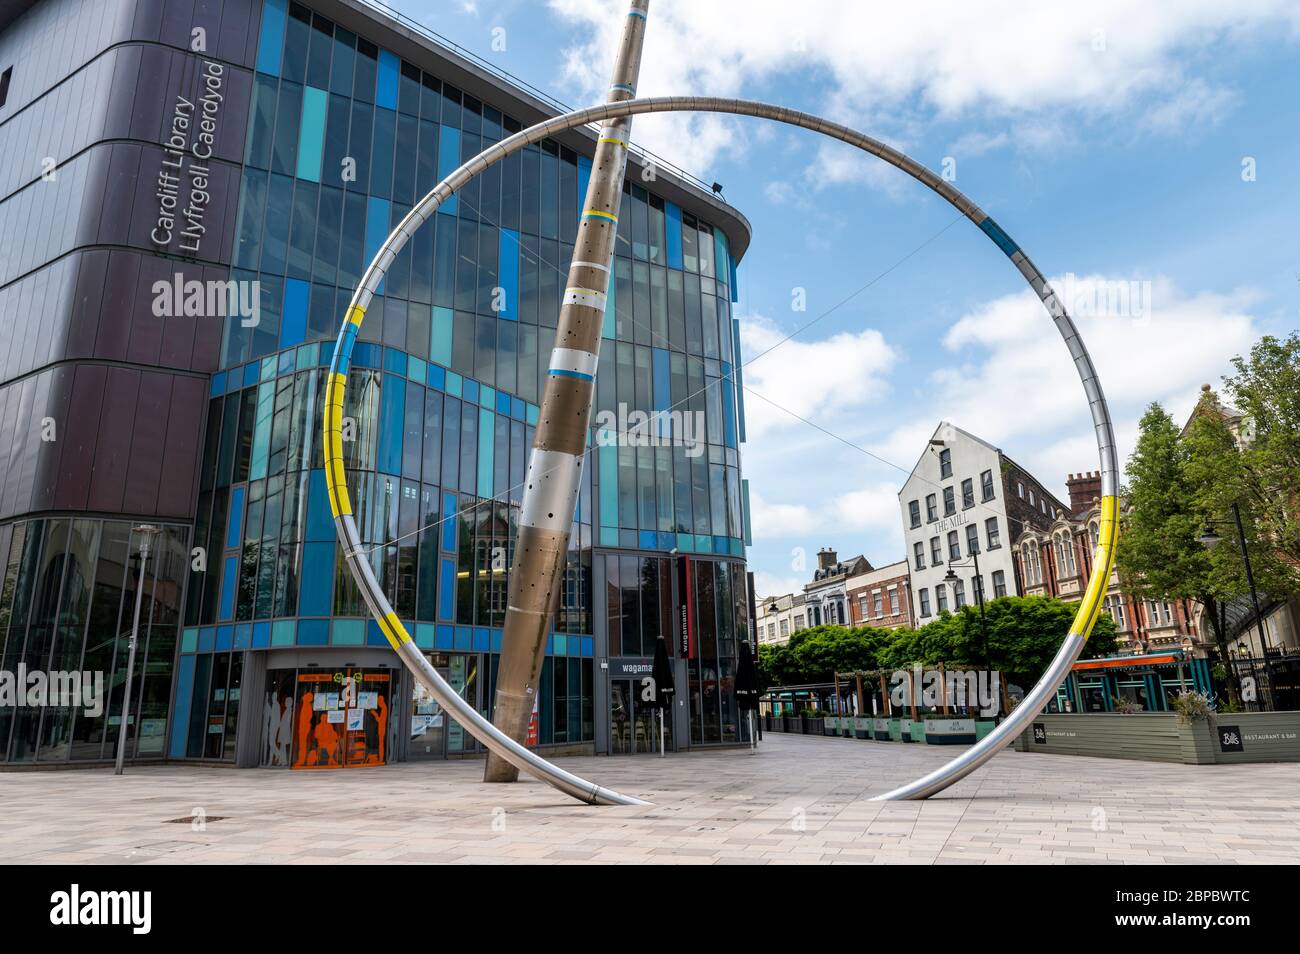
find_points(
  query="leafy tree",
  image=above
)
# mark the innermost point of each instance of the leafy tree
(1024, 633)
(1266, 389)
(1176, 483)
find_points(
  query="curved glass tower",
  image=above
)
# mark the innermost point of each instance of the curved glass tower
(275, 153)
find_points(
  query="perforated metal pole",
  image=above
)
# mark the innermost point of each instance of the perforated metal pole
(555, 467)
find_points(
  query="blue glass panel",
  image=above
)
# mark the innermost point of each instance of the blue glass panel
(436, 377)
(226, 603)
(374, 635)
(218, 384)
(293, 325)
(673, 234)
(440, 336)
(386, 84)
(392, 407)
(262, 634)
(225, 639)
(365, 355)
(317, 579)
(447, 589)
(181, 715)
(503, 403)
(311, 134)
(448, 160)
(449, 522)
(395, 361)
(313, 632)
(270, 43)
(235, 522)
(508, 274)
(243, 636)
(584, 176)
(445, 638)
(464, 639)
(482, 641)
(320, 522)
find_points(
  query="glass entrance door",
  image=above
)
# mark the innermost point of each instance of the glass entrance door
(428, 738)
(633, 724)
(341, 718)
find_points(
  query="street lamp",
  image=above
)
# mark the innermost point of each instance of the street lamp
(950, 577)
(1211, 538)
(146, 532)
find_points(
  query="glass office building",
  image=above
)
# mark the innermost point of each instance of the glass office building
(259, 151)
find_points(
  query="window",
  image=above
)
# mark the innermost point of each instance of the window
(986, 484)
(1020, 490)
(1119, 612)
(999, 584)
(918, 549)
(914, 509)
(785, 628)
(798, 622)
(771, 630)
(936, 552)
(5, 77)
(931, 509)
(954, 546)
(941, 597)
(893, 601)
(945, 463)
(991, 533)
(972, 538)
(1093, 535)
(924, 595)
(977, 588)
(958, 594)
(949, 502)
(967, 493)
(877, 603)
(1166, 612)
(1031, 498)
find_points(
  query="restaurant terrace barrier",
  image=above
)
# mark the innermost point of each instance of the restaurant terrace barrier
(1160, 737)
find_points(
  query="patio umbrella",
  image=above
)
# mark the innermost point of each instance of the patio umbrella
(665, 688)
(747, 690)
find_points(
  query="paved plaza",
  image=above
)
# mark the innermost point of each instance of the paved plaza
(800, 799)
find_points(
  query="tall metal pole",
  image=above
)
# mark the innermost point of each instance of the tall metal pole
(979, 592)
(147, 533)
(555, 467)
(1254, 598)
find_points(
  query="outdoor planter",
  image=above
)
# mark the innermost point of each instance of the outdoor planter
(983, 727)
(861, 727)
(897, 729)
(846, 726)
(916, 732)
(948, 731)
(880, 728)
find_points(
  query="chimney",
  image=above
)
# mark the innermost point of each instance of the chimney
(1084, 489)
(827, 557)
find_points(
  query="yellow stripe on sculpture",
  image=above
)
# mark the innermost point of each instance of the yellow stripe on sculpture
(335, 476)
(393, 630)
(1102, 567)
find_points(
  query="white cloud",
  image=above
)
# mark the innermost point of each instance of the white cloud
(814, 379)
(1011, 380)
(997, 59)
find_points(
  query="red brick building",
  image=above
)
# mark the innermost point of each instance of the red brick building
(881, 597)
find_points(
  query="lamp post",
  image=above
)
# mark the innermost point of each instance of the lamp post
(146, 532)
(950, 577)
(1210, 538)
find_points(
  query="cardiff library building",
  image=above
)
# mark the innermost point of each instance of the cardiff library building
(189, 192)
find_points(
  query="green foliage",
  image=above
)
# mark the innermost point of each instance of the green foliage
(1179, 481)
(1266, 389)
(1193, 707)
(1024, 633)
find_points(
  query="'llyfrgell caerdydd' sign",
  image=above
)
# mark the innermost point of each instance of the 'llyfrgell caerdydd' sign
(185, 174)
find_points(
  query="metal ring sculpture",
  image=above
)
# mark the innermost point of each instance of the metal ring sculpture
(483, 730)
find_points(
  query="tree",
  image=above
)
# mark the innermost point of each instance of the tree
(1178, 482)
(1266, 389)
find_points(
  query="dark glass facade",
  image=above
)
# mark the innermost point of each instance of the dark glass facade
(322, 140)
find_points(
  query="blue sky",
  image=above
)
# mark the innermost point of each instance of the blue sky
(1107, 138)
